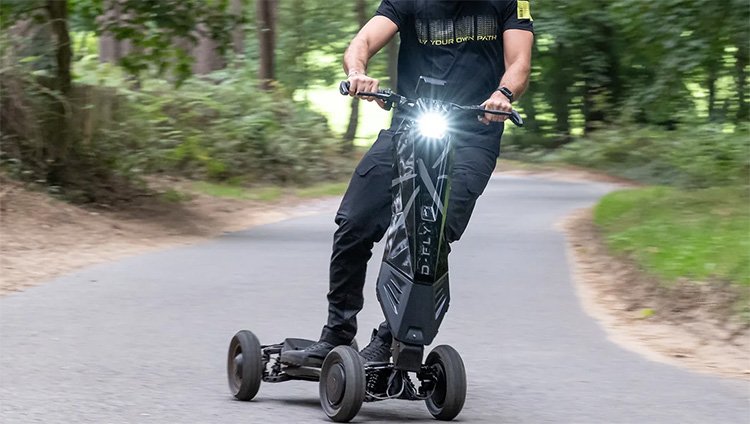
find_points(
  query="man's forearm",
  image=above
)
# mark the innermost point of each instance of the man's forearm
(356, 57)
(516, 78)
(370, 39)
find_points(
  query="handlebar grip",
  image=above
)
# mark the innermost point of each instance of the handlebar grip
(515, 117)
(344, 88)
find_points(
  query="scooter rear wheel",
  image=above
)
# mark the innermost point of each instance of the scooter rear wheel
(244, 365)
(342, 384)
(449, 395)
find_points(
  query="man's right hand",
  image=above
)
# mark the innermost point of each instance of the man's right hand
(361, 83)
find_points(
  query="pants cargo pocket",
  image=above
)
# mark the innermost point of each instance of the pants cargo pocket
(466, 188)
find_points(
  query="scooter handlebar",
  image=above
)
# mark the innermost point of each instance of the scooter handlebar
(386, 96)
(345, 86)
(514, 116)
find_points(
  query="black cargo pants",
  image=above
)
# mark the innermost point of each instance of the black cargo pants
(365, 213)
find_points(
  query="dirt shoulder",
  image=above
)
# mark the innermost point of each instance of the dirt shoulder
(688, 324)
(42, 238)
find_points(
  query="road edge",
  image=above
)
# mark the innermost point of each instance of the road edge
(126, 238)
(661, 341)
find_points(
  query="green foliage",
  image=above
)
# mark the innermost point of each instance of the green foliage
(656, 62)
(702, 156)
(11, 11)
(306, 55)
(33, 144)
(699, 234)
(312, 37)
(223, 127)
(160, 32)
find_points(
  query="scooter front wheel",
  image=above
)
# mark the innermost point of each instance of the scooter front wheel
(449, 394)
(244, 365)
(342, 384)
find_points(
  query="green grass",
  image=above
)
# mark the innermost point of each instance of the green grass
(322, 190)
(698, 234)
(266, 193)
(236, 192)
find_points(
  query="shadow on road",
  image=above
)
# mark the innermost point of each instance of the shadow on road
(415, 413)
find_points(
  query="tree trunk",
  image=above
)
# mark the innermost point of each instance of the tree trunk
(562, 125)
(266, 17)
(206, 56)
(111, 50)
(351, 129)
(711, 83)
(57, 127)
(742, 58)
(58, 15)
(360, 8)
(593, 113)
(531, 124)
(108, 45)
(557, 93)
(527, 102)
(238, 33)
(601, 84)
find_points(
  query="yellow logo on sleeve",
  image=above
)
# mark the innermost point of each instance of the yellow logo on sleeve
(524, 10)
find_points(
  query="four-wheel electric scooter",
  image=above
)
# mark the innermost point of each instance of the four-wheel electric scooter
(412, 286)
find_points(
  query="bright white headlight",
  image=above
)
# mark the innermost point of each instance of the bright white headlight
(433, 125)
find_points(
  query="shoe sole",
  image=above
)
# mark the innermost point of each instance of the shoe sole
(309, 362)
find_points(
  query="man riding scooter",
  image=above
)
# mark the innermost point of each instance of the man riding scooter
(483, 50)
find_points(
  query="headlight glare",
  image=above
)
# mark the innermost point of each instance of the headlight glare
(433, 125)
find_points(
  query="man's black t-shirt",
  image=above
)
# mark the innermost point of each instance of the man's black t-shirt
(460, 41)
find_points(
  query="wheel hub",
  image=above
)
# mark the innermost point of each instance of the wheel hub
(335, 384)
(238, 366)
(438, 395)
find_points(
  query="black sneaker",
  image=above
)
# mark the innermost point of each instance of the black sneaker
(311, 356)
(377, 351)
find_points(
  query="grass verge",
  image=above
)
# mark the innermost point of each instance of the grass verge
(229, 191)
(697, 234)
(269, 193)
(322, 190)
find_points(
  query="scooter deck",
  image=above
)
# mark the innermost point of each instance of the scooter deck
(282, 372)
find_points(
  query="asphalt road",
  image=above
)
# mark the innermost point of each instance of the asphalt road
(144, 340)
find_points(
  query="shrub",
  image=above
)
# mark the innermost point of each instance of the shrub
(219, 127)
(223, 127)
(701, 156)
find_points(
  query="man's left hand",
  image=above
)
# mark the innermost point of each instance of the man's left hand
(497, 101)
